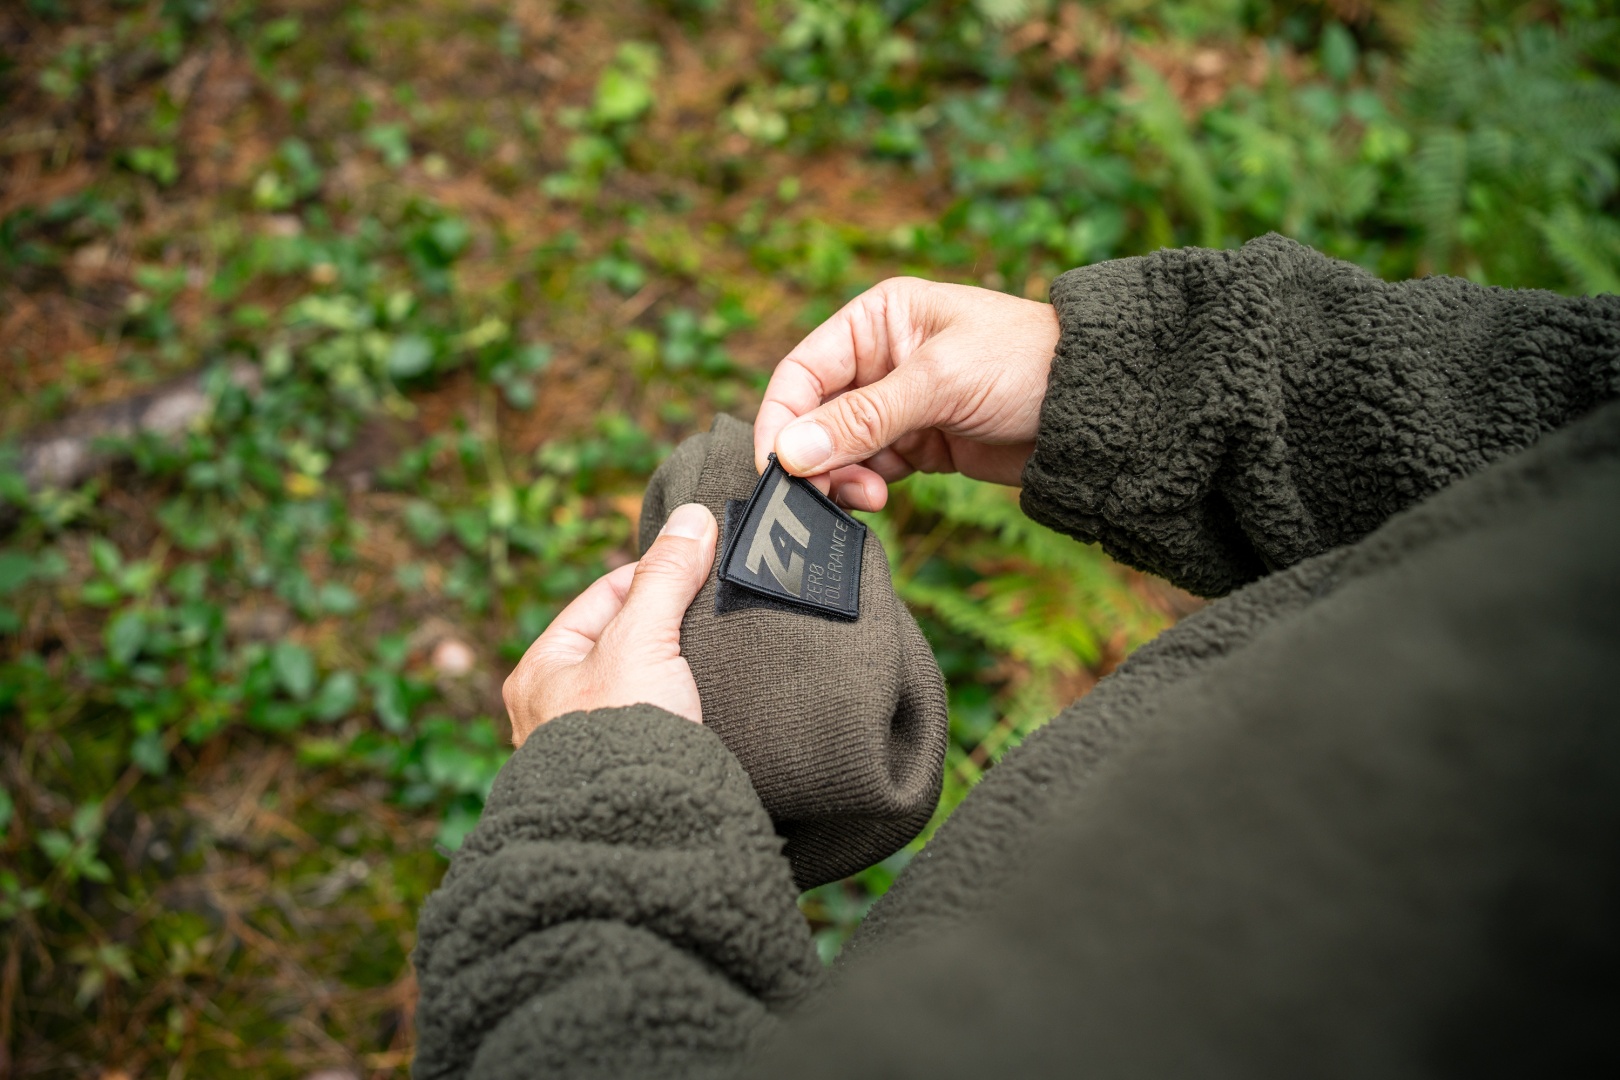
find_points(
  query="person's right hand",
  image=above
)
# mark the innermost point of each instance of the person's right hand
(911, 375)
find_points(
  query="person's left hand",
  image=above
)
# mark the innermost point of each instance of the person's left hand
(619, 642)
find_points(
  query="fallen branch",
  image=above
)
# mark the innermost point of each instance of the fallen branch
(65, 454)
(69, 452)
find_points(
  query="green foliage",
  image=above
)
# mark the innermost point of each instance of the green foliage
(624, 93)
(1515, 150)
(460, 279)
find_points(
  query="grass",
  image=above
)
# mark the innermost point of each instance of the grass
(461, 273)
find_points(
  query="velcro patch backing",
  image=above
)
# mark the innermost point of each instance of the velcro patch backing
(794, 545)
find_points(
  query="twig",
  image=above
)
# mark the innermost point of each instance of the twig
(645, 297)
(9, 979)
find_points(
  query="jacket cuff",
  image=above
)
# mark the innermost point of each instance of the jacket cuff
(622, 908)
(579, 749)
(1128, 441)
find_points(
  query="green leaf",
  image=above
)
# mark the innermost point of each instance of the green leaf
(519, 392)
(294, 668)
(393, 142)
(410, 355)
(16, 570)
(101, 594)
(116, 959)
(126, 635)
(425, 522)
(338, 599)
(1338, 52)
(279, 716)
(458, 768)
(189, 582)
(86, 823)
(392, 649)
(138, 579)
(458, 822)
(340, 693)
(621, 97)
(105, 556)
(56, 844)
(149, 754)
(91, 983)
(320, 753)
(450, 237)
(472, 528)
(533, 359)
(388, 698)
(7, 809)
(280, 33)
(158, 162)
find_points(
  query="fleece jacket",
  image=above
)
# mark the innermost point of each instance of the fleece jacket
(1358, 817)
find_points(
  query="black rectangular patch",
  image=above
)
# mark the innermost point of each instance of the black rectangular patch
(729, 597)
(795, 545)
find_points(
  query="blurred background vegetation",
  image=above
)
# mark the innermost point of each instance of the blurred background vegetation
(447, 278)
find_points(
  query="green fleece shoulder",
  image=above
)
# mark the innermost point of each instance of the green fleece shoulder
(622, 909)
(1216, 415)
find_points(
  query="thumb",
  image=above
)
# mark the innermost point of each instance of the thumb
(857, 424)
(670, 574)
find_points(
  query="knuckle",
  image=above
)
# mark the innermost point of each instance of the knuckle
(671, 556)
(515, 699)
(861, 419)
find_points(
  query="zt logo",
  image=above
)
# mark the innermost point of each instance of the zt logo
(761, 549)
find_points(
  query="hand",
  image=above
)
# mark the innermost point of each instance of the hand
(619, 642)
(911, 375)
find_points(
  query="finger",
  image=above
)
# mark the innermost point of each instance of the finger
(889, 464)
(858, 488)
(849, 348)
(857, 424)
(792, 392)
(578, 626)
(669, 576)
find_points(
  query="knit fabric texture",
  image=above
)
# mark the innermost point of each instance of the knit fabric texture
(841, 726)
(1216, 415)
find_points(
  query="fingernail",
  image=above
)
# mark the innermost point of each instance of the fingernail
(804, 445)
(691, 521)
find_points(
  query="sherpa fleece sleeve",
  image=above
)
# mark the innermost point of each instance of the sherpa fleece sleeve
(622, 909)
(1216, 415)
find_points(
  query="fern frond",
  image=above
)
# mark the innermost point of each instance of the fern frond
(1586, 246)
(1158, 118)
(1033, 595)
(1516, 141)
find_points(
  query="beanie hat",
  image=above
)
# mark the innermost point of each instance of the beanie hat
(840, 724)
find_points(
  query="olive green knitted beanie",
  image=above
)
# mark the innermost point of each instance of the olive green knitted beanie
(841, 726)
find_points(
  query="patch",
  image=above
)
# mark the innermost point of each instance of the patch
(794, 545)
